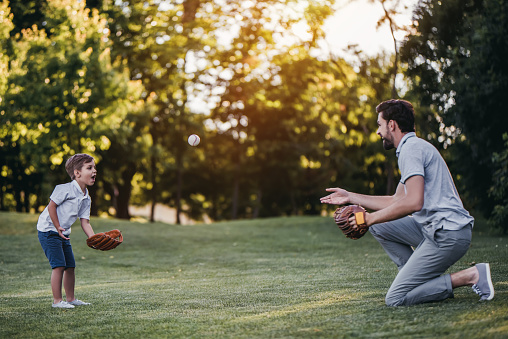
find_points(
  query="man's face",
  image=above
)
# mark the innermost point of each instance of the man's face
(383, 130)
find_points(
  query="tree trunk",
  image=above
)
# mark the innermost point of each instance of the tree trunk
(2, 201)
(234, 202)
(17, 198)
(190, 7)
(92, 191)
(255, 213)
(26, 201)
(236, 190)
(179, 183)
(395, 49)
(153, 191)
(390, 178)
(123, 194)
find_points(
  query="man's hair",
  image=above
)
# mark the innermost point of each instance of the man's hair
(401, 111)
(76, 162)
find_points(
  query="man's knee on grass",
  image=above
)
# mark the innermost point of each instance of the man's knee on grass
(394, 301)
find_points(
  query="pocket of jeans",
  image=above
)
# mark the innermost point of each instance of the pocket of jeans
(447, 238)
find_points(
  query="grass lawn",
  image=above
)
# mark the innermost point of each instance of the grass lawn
(267, 278)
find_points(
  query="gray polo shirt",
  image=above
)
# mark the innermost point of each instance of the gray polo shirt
(442, 206)
(71, 205)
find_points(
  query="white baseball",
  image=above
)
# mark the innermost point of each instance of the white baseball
(194, 140)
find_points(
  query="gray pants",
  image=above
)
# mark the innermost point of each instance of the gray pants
(420, 278)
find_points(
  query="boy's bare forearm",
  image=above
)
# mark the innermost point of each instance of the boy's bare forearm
(87, 227)
(53, 214)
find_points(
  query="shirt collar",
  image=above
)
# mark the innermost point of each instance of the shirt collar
(76, 186)
(403, 141)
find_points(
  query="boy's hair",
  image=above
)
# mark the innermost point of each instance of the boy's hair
(401, 111)
(76, 162)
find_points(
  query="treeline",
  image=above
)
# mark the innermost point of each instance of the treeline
(128, 81)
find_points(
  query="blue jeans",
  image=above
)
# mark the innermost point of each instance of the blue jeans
(57, 249)
(421, 275)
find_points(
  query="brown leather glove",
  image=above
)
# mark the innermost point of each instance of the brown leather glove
(105, 241)
(342, 215)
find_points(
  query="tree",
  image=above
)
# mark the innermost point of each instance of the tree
(285, 122)
(158, 40)
(456, 62)
(390, 10)
(7, 150)
(261, 112)
(63, 89)
(499, 189)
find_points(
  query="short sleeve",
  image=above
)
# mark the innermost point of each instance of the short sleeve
(60, 194)
(411, 163)
(84, 209)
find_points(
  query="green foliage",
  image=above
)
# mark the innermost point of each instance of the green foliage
(119, 79)
(26, 13)
(6, 152)
(65, 95)
(157, 41)
(292, 117)
(456, 62)
(278, 277)
(499, 190)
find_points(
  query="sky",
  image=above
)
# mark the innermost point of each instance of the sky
(355, 23)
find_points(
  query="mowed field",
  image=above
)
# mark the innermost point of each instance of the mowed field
(294, 277)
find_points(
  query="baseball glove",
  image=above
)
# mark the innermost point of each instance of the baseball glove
(105, 241)
(342, 215)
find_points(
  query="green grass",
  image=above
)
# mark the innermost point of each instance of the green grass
(268, 278)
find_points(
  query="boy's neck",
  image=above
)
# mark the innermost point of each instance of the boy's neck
(82, 186)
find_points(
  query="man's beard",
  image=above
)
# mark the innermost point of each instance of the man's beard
(388, 144)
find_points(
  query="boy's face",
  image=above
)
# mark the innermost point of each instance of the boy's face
(86, 175)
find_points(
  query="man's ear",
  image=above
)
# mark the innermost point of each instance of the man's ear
(392, 125)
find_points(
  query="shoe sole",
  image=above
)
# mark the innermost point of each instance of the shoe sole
(63, 306)
(68, 308)
(489, 280)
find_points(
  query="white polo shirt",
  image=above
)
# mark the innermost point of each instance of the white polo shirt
(71, 205)
(442, 206)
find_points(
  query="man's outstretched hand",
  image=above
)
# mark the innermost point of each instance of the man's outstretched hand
(338, 196)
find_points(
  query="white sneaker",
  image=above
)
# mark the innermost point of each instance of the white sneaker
(62, 304)
(77, 302)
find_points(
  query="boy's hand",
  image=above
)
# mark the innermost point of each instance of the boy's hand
(60, 233)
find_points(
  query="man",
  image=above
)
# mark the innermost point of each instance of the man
(425, 213)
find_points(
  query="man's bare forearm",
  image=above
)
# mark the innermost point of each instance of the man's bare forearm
(371, 202)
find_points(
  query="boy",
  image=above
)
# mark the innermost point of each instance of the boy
(67, 203)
